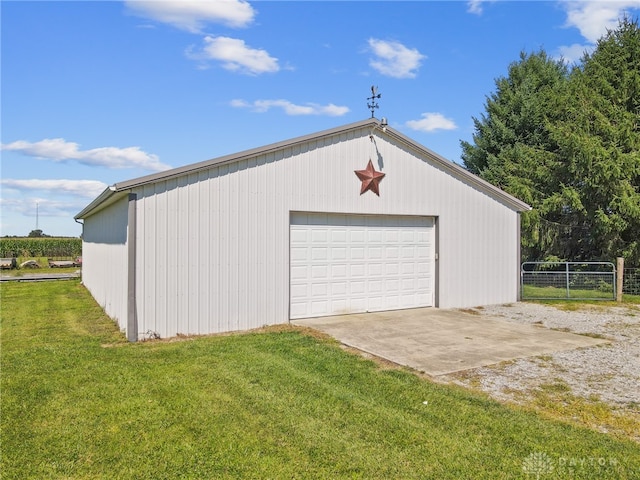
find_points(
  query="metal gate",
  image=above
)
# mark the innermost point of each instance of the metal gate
(568, 280)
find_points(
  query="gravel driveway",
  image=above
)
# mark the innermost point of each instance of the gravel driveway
(609, 372)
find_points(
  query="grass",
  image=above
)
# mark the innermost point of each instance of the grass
(552, 294)
(631, 302)
(555, 400)
(530, 292)
(80, 402)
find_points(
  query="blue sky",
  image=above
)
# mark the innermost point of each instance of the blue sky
(94, 93)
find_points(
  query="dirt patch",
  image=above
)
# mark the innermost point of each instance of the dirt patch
(605, 374)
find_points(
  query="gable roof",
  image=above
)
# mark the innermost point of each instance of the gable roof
(120, 189)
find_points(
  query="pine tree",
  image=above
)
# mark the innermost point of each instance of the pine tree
(598, 138)
(513, 147)
(568, 143)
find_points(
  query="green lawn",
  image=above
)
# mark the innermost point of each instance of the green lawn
(530, 292)
(79, 402)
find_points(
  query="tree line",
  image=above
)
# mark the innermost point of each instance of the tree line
(566, 140)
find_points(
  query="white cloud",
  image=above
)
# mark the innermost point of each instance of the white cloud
(235, 56)
(193, 15)
(290, 108)
(58, 150)
(394, 59)
(46, 208)
(430, 122)
(475, 6)
(592, 19)
(573, 53)
(82, 188)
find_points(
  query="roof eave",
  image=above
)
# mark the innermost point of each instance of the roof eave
(114, 192)
(106, 198)
(460, 172)
(195, 167)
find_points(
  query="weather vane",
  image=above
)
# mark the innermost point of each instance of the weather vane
(374, 96)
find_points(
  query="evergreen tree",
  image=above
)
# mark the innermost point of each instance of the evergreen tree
(513, 146)
(568, 143)
(598, 138)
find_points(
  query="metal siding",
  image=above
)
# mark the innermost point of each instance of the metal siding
(172, 259)
(225, 240)
(162, 248)
(105, 259)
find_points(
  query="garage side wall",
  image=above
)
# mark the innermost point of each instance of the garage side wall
(213, 246)
(104, 252)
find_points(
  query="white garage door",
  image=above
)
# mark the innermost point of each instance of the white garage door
(360, 263)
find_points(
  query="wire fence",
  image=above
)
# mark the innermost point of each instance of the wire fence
(568, 280)
(631, 281)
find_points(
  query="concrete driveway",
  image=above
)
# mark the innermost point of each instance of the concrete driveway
(439, 342)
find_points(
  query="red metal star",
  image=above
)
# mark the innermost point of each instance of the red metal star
(370, 179)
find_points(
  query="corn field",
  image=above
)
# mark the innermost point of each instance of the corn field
(40, 247)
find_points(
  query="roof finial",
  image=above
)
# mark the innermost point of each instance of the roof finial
(374, 96)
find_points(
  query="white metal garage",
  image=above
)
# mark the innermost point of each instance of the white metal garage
(360, 263)
(230, 243)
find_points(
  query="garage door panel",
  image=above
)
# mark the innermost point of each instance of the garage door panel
(299, 292)
(319, 236)
(375, 236)
(407, 268)
(338, 271)
(319, 253)
(408, 252)
(299, 237)
(391, 269)
(423, 268)
(298, 273)
(338, 254)
(356, 287)
(392, 302)
(299, 310)
(357, 263)
(338, 236)
(319, 290)
(358, 304)
(358, 270)
(375, 270)
(339, 305)
(375, 286)
(319, 307)
(338, 289)
(392, 286)
(320, 272)
(391, 253)
(298, 253)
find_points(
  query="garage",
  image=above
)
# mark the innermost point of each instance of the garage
(360, 263)
(354, 219)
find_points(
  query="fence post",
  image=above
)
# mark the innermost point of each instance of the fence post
(619, 278)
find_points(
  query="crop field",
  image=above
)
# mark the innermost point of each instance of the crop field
(49, 247)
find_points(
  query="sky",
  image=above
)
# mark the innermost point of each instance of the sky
(94, 93)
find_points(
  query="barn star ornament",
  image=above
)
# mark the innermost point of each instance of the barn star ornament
(370, 179)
